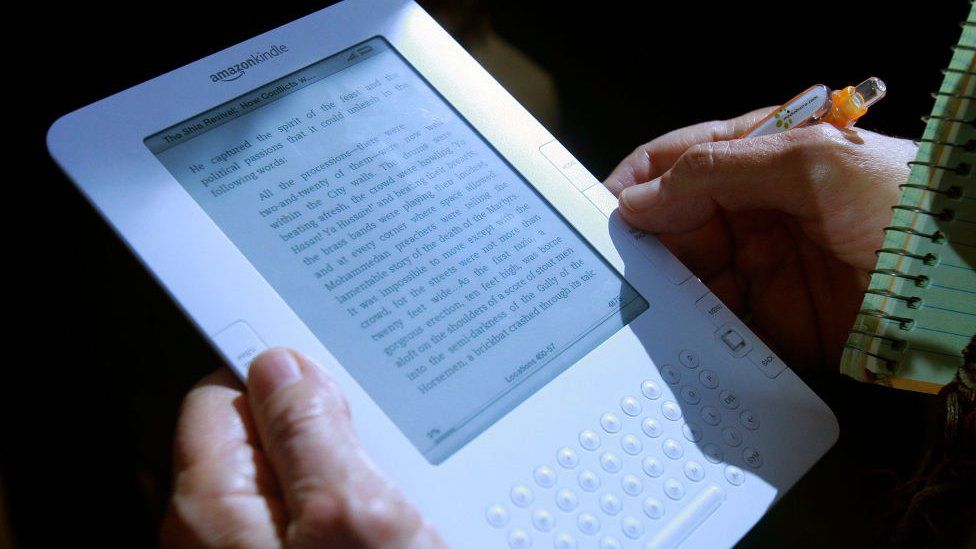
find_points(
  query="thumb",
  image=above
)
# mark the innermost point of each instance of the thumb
(333, 493)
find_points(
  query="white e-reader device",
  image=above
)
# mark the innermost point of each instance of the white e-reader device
(527, 368)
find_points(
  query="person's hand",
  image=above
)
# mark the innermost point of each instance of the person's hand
(280, 466)
(782, 228)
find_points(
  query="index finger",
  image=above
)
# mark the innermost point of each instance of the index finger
(213, 428)
(655, 157)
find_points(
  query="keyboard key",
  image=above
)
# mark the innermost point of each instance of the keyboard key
(497, 516)
(564, 541)
(588, 480)
(671, 411)
(711, 416)
(731, 437)
(567, 458)
(610, 504)
(632, 527)
(589, 440)
(610, 423)
(588, 524)
(652, 466)
(692, 432)
(674, 489)
(694, 471)
(631, 445)
(653, 508)
(519, 539)
(734, 475)
(752, 457)
(522, 496)
(690, 395)
(670, 374)
(610, 462)
(631, 485)
(567, 500)
(728, 399)
(652, 427)
(709, 379)
(749, 420)
(545, 476)
(650, 390)
(543, 520)
(689, 359)
(713, 453)
(631, 406)
(672, 448)
(766, 361)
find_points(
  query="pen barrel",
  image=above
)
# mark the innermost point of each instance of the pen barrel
(805, 107)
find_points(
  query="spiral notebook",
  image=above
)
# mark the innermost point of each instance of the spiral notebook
(919, 311)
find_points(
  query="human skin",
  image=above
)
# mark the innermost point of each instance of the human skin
(277, 464)
(782, 228)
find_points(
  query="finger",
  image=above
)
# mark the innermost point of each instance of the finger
(334, 494)
(224, 492)
(779, 172)
(652, 159)
(215, 437)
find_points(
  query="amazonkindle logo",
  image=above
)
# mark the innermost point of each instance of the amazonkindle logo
(238, 70)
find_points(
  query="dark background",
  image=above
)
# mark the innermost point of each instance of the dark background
(100, 357)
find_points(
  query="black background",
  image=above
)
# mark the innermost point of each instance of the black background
(99, 357)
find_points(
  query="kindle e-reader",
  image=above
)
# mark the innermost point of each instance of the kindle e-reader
(529, 369)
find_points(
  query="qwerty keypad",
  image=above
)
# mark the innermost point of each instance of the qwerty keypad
(670, 475)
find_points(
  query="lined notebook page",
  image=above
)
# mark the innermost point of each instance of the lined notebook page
(920, 309)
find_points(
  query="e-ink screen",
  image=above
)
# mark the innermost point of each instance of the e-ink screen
(437, 276)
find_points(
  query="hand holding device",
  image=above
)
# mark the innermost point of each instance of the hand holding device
(281, 466)
(782, 226)
(527, 368)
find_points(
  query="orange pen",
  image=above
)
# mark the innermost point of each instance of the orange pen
(818, 103)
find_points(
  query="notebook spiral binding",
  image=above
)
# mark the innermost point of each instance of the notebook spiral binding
(928, 259)
(956, 71)
(920, 280)
(953, 192)
(945, 215)
(928, 117)
(934, 237)
(903, 322)
(961, 169)
(890, 364)
(938, 94)
(910, 300)
(968, 146)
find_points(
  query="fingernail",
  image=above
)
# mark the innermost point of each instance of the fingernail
(640, 197)
(278, 368)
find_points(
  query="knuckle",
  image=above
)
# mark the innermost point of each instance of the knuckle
(294, 418)
(333, 393)
(321, 517)
(385, 521)
(641, 151)
(386, 514)
(816, 153)
(720, 130)
(701, 157)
